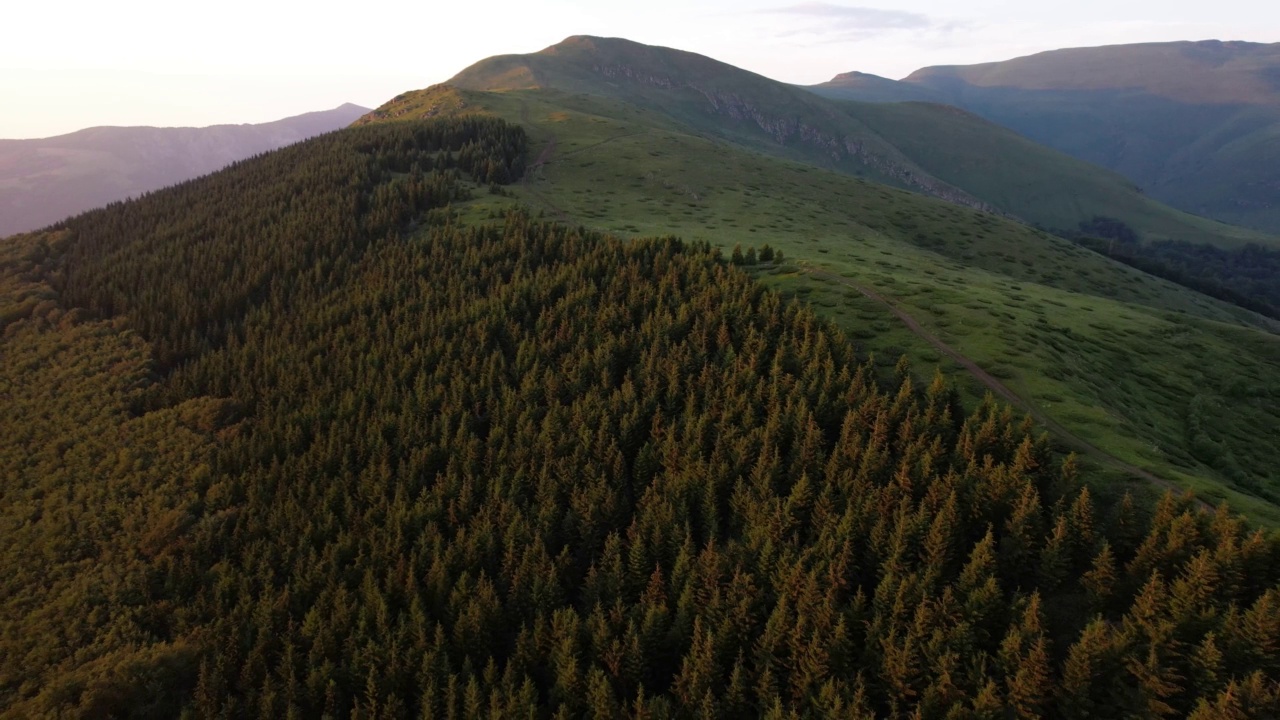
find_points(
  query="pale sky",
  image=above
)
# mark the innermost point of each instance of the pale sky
(71, 64)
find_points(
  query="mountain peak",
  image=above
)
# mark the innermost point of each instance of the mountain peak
(853, 76)
(586, 63)
(874, 88)
(599, 43)
(584, 42)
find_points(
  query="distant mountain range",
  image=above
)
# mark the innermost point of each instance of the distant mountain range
(1194, 124)
(43, 181)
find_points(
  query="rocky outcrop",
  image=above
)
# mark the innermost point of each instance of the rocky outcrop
(921, 181)
(626, 72)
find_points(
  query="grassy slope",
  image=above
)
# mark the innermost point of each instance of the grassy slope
(1052, 188)
(1231, 173)
(706, 97)
(932, 151)
(1119, 358)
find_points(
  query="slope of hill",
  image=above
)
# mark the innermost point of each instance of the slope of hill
(708, 96)
(1114, 355)
(325, 435)
(1049, 188)
(43, 181)
(704, 96)
(1196, 125)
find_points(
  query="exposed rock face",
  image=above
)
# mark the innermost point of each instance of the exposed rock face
(626, 72)
(731, 105)
(923, 182)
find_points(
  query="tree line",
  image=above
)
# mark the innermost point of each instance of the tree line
(1248, 276)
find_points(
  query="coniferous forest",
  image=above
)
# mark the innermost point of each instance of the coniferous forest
(293, 441)
(1248, 276)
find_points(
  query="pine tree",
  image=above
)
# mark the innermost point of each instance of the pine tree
(1088, 672)
(1100, 581)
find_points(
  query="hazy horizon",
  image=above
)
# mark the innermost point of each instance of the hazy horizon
(232, 123)
(139, 62)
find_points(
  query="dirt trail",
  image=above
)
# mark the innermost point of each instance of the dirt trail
(606, 141)
(544, 157)
(999, 388)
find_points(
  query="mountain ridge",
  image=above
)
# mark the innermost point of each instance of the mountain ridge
(752, 103)
(343, 108)
(1210, 71)
(719, 100)
(44, 180)
(1195, 124)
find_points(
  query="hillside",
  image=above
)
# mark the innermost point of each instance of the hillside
(702, 96)
(43, 181)
(340, 432)
(1196, 125)
(1129, 364)
(1050, 189)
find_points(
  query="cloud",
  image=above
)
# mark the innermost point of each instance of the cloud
(846, 19)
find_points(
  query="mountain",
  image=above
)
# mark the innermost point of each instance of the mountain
(711, 97)
(346, 431)
(1195, 124)
(866, 87)
(43, 181)
(1035, 184)
(1194, 73)
(1113, 356)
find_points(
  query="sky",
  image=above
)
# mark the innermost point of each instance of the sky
(71, 64)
